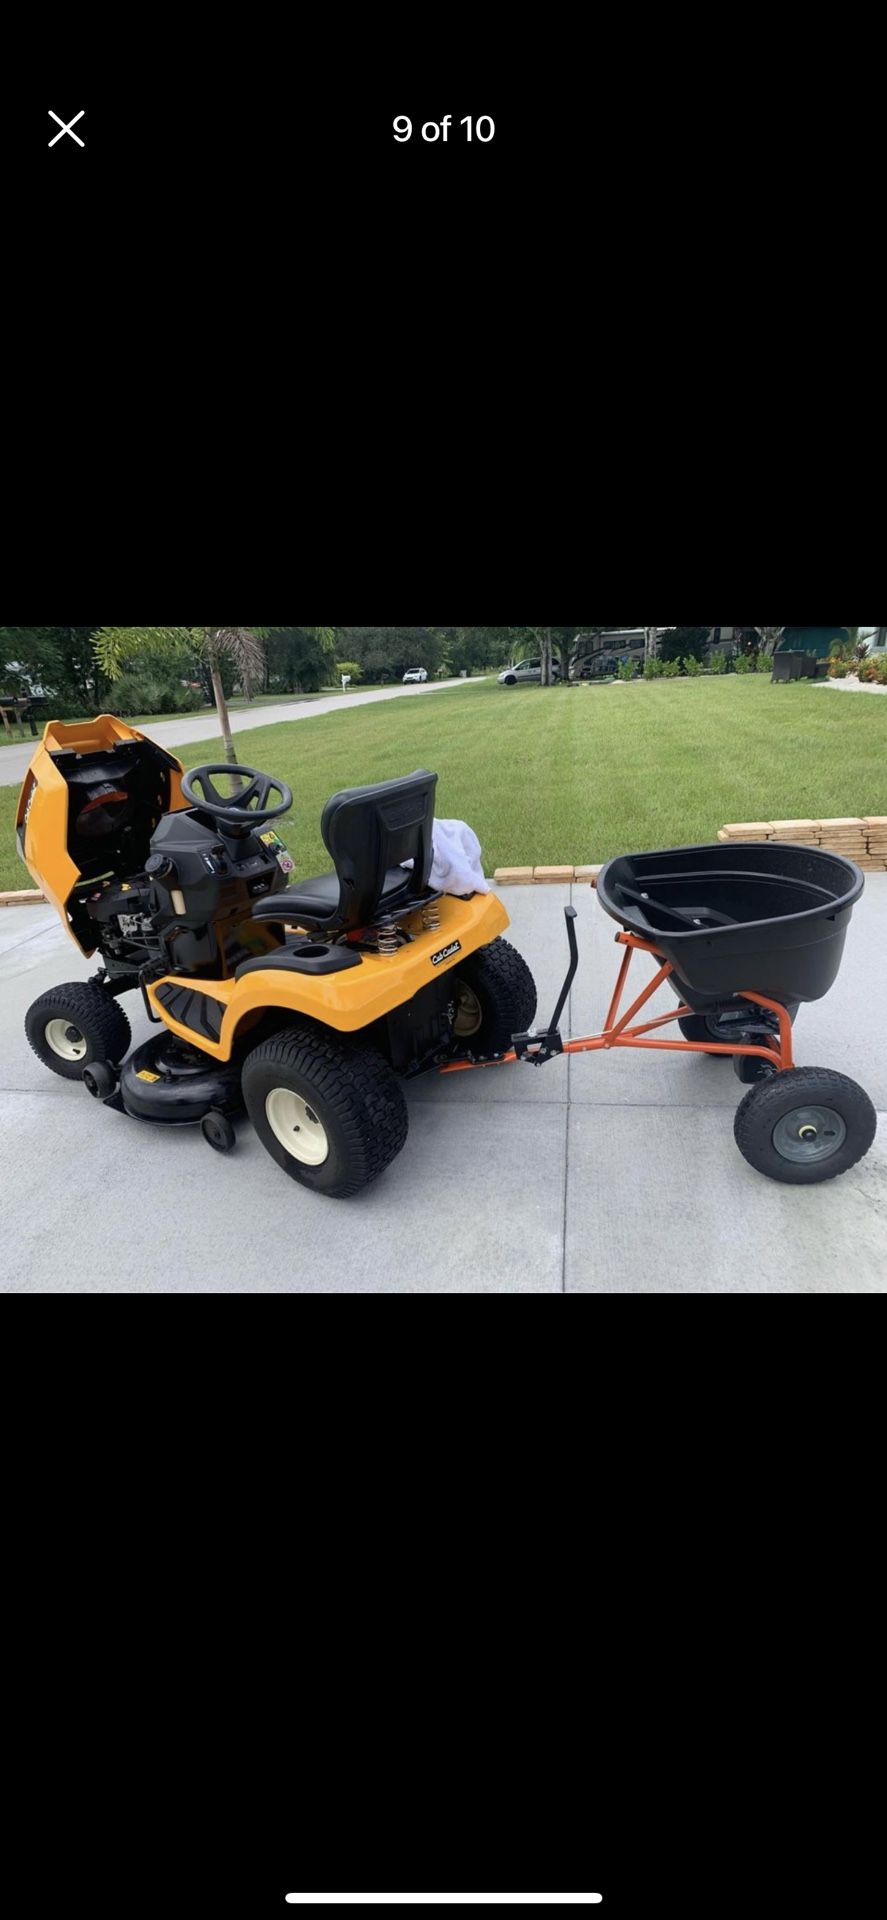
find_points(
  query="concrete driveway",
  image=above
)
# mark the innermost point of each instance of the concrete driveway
(15, 760)
(600, 1174)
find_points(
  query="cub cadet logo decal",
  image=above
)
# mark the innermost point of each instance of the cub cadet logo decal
(446, 953)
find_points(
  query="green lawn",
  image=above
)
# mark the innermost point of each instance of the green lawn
(576, 774)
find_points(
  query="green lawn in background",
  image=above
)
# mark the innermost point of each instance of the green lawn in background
(576, 774)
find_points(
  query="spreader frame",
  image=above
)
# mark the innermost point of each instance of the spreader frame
(539, 1047)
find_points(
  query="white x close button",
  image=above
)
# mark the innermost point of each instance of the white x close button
(66, 128)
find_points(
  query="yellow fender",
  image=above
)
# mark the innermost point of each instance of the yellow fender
(351, 1000)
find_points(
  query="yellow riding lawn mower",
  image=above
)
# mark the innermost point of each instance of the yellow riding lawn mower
(306, 1002)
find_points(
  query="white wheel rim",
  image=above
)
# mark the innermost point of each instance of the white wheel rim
(295, 1123)
(469, 1012)
(57, 1039)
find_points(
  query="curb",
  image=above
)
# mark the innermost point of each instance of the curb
(547, 876)
(861, 838)
(23, 900)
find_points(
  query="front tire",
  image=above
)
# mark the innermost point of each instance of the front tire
(329, 1111)
(77, 1026)
(495, 998)
(805, 1126)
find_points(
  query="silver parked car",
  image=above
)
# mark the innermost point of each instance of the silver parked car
(526, 671)
(415, 676)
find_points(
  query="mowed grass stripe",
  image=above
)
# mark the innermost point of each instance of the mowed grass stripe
(574, 775)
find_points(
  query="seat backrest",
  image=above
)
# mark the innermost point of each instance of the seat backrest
(369, 830)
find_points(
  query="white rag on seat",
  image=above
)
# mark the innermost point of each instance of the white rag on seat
(457, 864)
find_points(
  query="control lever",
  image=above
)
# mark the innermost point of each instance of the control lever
(537, 1047)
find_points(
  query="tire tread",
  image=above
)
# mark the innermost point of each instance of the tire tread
(359, 1087)
(89, 1006)
(820, 1085)
(499, 975)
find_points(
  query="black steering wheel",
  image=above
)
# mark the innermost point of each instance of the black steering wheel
(249, 808)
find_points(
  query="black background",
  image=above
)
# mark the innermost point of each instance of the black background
(473, 1606)
(290, 1609)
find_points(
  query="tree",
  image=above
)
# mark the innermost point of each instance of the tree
(770, 638)
(518, 641)
(243, 646)
(472, 648)
(59, 660)
(297, 660)
(677, 642)
(563, 642)
(385, 653)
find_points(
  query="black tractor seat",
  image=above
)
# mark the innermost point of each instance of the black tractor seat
(369, 832)
(318, 899)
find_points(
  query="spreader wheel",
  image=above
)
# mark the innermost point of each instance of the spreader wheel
(805, 1126)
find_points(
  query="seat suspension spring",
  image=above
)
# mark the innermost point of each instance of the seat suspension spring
(386, 936)
(431, 917)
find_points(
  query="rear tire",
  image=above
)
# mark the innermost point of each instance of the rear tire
(805, 1126)
(329, 1111)
(77, 1026)
(496, 998)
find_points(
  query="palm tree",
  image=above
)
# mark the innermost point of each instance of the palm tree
(770, 637)
(243, 646)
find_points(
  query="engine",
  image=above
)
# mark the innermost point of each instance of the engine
(189, 912)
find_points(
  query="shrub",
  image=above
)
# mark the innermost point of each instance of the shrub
(717, 662)
(691, 665)
(839, 670)
(743, 663)
(653, 669)
(137, 693)
(147, 693)
(764, 663)
(671, 669)
(626, 669)
(348, 666)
